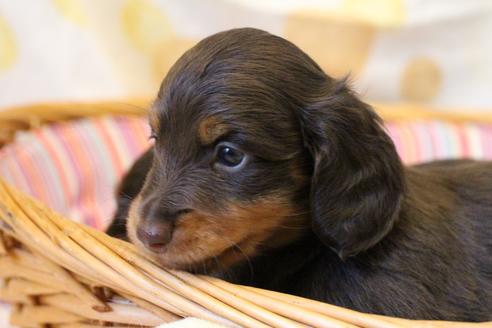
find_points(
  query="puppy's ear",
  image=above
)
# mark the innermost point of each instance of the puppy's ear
(357, 181)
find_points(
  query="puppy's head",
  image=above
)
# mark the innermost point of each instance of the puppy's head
(254, 147)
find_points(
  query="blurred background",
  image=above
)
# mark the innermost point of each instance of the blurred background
(432, 52)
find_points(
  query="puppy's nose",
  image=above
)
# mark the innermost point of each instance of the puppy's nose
(155, 230)
(155, 235)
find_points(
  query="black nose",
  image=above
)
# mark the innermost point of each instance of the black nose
(155, 229)
(155, 234)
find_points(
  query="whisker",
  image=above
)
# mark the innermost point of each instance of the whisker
(221, 269)
(204, 268)
(243, 253)
(292, 227)
(126, 196)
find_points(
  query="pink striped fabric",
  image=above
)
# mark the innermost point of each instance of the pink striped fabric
(423, 141)
(74, 167)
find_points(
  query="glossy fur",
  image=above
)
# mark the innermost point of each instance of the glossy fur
(323, 207)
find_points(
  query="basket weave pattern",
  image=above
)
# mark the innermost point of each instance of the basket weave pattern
(58, 273)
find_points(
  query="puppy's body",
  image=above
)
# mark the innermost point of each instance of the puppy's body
(267, 172)
(436, 263)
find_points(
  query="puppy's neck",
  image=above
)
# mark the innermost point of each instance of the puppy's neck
(293, 229)
(270, 267)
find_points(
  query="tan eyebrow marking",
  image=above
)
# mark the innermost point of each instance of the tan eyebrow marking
(210, 129)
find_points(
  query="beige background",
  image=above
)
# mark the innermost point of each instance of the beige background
(434, 52)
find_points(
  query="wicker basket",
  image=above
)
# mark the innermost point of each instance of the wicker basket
(58, 273)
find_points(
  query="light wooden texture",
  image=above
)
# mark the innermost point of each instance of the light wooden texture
(28, 117)
(33, 116)
(63, 274)
(53, 276)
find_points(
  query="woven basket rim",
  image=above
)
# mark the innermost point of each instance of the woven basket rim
(48, 112)
(78, 256)
(25, 117)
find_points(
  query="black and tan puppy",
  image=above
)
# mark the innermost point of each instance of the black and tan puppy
(266, 171)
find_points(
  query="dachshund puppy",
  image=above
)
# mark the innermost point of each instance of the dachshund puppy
(265, 171)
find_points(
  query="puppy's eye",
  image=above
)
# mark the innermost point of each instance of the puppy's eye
(229, 156)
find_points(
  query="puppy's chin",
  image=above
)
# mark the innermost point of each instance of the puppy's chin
(210, 243)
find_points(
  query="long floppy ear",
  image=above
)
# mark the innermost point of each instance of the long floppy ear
(357, 183)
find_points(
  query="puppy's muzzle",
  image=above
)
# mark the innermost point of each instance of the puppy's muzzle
(156, 226)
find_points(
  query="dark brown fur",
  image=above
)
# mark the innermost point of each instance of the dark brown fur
(323, 207)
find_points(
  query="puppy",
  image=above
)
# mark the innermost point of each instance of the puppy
(265, 171)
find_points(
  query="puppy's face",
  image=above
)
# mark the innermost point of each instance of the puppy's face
(220, 186)
(254, 146)
(230, 172)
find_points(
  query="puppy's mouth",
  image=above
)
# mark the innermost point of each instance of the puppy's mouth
(199, 260)
(166, 248)
(217, 242)
(198, 240)
(223, 260)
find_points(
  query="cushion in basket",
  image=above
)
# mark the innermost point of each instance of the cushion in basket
(423, 141)
(74, 166)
